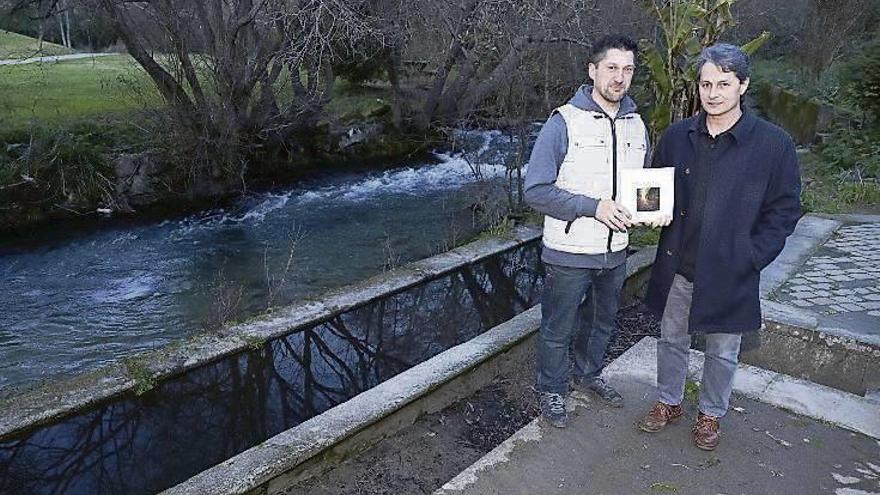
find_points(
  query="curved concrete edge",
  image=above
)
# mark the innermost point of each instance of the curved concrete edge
(850, 217)
(32, 408)
(500, 454)
(793, 394)
(283, 452)
(258, 469)
(778, 316)
(810, 233)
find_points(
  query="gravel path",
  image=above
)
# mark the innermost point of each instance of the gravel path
(53, 58)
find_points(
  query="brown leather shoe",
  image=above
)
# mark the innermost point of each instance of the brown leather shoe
(659, 416)
(706, 432)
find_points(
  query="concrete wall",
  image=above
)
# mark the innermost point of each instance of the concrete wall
(830, 360)
(51, 402)
(353, 426)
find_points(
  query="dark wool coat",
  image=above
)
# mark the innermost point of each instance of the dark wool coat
(752, 205)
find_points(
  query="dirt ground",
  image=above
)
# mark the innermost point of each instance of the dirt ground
(422, 457)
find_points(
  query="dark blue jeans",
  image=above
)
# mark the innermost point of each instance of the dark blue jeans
(578, 307)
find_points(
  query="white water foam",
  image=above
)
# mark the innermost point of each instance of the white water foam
(453, 171)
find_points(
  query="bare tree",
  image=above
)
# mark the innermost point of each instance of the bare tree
(829, 26)
(236, 74)
(456, 54)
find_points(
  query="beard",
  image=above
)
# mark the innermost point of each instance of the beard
(611, 95)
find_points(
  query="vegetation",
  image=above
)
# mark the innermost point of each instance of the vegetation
(865, 86)
(17, 46)
(826, 190)
(687, 27)
(54, 93)
(236, 88)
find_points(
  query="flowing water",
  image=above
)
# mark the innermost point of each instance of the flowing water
(86, 299)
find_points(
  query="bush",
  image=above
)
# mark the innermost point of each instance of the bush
(865, 86)
(48, 168)
(852, 152)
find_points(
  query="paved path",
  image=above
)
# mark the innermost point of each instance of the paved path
(840, 282)
(765, 450)
(53, 58)
(782, 435)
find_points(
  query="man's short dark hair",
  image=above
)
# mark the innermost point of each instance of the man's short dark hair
(728, 58)
(605, 43)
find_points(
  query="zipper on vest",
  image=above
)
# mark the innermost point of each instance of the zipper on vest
(613, 171)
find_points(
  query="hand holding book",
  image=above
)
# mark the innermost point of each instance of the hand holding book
(649, 194)
(613, 215)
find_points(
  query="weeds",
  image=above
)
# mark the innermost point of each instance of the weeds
(139, 372)
(691, 391)
(644, 236)
(663, 487)
(225, 302)
(828, 191)
(277, 280)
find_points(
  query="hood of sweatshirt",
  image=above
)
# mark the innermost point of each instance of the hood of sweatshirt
(583, 99)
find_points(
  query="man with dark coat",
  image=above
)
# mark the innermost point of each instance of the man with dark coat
(737, 198)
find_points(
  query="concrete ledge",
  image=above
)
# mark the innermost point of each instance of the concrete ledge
(810, 233)
(19, 413)
(784, 315)
(850, 217)
(799, 396)
(795, 345)
(282, 453)
(353, 426)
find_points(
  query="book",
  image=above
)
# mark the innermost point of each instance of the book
(648, 193)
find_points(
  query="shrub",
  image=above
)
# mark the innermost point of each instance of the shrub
(865, 85)
(57, 167)
(852, 152)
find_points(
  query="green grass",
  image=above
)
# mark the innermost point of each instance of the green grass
(56, 92)
(831, 193)
(352, 102)
(14, 45)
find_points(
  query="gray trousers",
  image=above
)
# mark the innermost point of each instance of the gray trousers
(722, 355)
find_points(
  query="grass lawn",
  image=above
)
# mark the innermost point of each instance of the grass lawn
(53, 93)
(14, 45)
(56, 92)
(830, 193)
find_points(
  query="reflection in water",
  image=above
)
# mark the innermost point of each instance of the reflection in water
(149, 443)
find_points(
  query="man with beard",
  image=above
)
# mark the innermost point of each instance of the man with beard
(737, 198)
(572, 179)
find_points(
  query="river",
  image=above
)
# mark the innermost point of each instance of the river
(88, 298)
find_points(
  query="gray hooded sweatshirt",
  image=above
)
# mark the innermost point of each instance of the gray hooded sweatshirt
(542, 194)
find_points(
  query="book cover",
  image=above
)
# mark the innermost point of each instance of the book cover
(648, 193)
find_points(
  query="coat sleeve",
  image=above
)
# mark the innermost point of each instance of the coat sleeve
(780, 209)
(541, 192)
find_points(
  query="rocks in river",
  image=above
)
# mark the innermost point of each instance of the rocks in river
(137, 178)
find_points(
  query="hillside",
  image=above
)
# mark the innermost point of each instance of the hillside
(14, 45)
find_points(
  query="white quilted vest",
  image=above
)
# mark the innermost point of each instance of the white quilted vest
(588, 169)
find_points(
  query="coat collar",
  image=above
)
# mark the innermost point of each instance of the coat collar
(739, 131)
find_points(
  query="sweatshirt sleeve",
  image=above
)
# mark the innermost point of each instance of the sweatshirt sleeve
(541, 192)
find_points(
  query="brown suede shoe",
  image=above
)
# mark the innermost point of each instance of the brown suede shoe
(706, 432)
(659, 416)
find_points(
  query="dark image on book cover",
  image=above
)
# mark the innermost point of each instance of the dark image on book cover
(648, 199)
